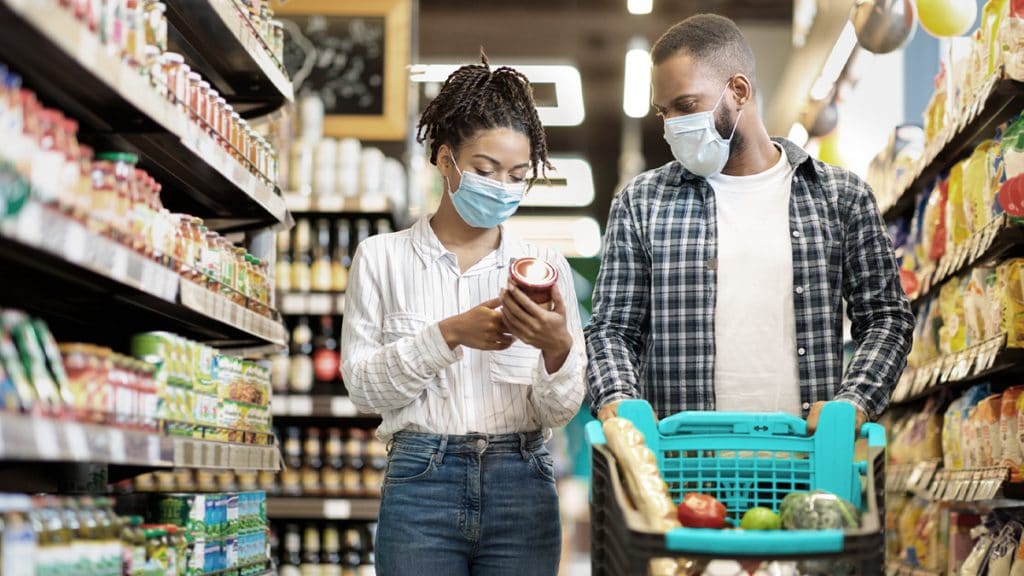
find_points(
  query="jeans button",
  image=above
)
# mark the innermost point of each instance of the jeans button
(481, 443)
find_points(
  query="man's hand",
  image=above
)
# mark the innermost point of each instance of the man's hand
(609, 410)
(481, 328)
(815, 413)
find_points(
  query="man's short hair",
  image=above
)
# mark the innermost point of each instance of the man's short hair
(712, 40)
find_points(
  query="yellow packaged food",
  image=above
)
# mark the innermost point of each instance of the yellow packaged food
(977, 185)
(1011, 297)
(957, 226)
(975, 307)
(953, 334)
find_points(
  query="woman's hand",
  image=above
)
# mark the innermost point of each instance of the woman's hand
(482, 328)
(542, 327)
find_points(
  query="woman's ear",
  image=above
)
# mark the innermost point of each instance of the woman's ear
(444, 157)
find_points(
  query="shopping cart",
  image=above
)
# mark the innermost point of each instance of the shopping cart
(744, 460)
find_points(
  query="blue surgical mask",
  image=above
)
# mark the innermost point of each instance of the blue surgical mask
(696, 143)
(485, 203)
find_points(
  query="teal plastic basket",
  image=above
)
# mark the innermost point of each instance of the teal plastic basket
(753, 459)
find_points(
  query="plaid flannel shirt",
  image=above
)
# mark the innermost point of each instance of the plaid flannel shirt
(652, 331)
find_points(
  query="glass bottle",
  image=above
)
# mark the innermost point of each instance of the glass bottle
(330, 475)
(331, 557)
(291, 480)
(283, 267)
(353, 556)
(291, 557)
(311, 551)
(342, 258)
(362, 230)
(300, 368)
(312, 463)
(326, 356)
(352, 472)
(301, 258)
(320, 270)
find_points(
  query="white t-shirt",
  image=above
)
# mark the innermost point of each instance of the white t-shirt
(755, 326)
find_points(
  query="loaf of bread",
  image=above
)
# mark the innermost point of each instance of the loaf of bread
(639, 467)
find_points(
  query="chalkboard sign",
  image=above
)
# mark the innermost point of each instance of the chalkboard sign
(353, 55)
(341, 59)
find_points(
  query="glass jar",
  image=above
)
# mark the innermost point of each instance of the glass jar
(175, 77)
(194, 96)
(123, 164)
(211, 113)
(227, 266)
(228, 127)
(221, 117)
(241, 276)
(277, 42)
(135, 32)
(103, 207)
(151, 67)
(211, 257)
(236, 136)
(204, 105)
(155, 17)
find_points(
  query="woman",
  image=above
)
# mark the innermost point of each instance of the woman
(466, 371)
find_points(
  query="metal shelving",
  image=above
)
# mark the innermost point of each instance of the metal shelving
(305, 508)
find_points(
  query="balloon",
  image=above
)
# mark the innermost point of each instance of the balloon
(883, 25)
(828, 150)
(944, 18)
(826, 117)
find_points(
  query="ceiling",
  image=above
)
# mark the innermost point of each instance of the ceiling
(592, 35)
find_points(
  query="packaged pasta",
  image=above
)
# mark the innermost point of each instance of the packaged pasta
(989, 438)
(1008, 416)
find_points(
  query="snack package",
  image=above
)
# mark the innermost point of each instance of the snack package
(989, 438)
(977, 183)
(643, 480)
(1000, 557)
(952, 335)
(960, 542)
(976, 307)
(1012, 302)
(975, 562)
(952, 456)
(933, 237)
(956, 219)
(1008, 415)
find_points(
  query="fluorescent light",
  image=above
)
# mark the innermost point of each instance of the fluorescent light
(568, 110)
(571, 236)
(798, 134)
(640, 6)
(636, 90)
(571, 184)
(837, 60)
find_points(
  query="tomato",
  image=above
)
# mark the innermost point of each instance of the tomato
(701, 511)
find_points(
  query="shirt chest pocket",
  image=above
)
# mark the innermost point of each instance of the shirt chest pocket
(402, 325)
(515, 365)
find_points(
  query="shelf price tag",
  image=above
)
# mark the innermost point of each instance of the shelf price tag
(342, 406)
(300, 405)
(337, 509)
(117, 449)
(153, 448)
(78, 445)
(47, 442)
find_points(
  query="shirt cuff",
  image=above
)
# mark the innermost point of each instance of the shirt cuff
(857, 403)
(431, 344)
(570, 364)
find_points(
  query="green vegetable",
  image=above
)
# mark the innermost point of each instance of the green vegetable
(818, 510)
(760, 518)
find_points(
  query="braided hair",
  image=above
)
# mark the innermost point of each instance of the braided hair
(476, 98)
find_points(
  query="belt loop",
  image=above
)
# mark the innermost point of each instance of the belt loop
(523, 446)
(441, 447)
(391, 444)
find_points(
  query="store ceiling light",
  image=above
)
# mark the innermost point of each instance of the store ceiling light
(571, 184)
(798, 134)
(571, 236)
(568, 108)
(636, 90)
(640, 6)
(837, 60)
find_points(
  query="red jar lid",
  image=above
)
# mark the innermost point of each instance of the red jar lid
(534, 273)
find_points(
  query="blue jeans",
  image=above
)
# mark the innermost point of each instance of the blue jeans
(473, 505)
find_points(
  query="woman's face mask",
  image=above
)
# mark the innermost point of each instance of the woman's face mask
(696, 143)
(482, 202)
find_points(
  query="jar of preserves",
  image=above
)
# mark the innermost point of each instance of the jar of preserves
(221, 115)
(155, 18)
(151, 67)
(135, 32)
(175, 77)
(227, 266)
(194, 95)
(102, 207)
(236, 136)
(211, 113)
(203, 109)
(241, 277)
(211, 258)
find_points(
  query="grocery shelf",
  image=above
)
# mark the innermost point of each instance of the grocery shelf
(71, 272)
(978, 361)
(117, 108)
(914, 477)
(192, 453)
(999, 100)
(1001, 237)
(38, 439)
(224, 47)
(370, 207)
(303, 508)
(311, 303)
(298, 405)
(905, 570)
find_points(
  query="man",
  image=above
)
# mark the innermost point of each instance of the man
(724, 273)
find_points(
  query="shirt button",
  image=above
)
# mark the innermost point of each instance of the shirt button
(799, 289)
(801, 351)
(796, 233)
(806, 405)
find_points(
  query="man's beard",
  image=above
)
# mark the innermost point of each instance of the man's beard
(726, 125)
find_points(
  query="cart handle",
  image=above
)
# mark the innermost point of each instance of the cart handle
(732, 543)
(746, 423)
(874, 433)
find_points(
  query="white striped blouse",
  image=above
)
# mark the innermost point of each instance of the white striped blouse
(397, 364)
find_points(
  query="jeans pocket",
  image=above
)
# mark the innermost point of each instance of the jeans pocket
(543, 465)
(406, 466)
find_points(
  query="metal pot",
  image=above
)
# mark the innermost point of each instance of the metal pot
(883, 25)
